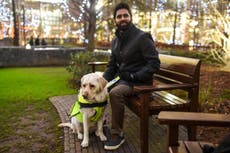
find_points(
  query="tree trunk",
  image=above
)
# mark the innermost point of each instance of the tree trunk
(186, 30)
(92, 26)
(16, 25)
(175, 23)
(174, 27)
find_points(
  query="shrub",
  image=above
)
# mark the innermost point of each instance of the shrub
(79, 64)
(204, 95)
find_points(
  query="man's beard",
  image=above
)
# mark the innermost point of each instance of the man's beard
(121, 26)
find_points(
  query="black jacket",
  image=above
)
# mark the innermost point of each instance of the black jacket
(133, 52)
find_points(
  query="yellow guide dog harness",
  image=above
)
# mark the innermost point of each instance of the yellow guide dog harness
(82, 103)
(98, 107)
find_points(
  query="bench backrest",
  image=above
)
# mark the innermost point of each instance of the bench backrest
(176, 69)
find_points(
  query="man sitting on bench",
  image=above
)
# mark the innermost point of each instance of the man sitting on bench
(134, 59)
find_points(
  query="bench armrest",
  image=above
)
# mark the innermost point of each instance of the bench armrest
(143, 89)
(195, 119)
(94, 64)
(97, 63)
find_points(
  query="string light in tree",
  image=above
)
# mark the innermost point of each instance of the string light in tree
(82, 8)
(5, 12)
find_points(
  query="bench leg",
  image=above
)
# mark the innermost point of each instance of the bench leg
(172, 135)
(144, 125)
(191, 133)
(93, 68)
(144, 134)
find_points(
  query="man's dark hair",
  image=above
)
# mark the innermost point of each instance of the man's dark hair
(119, 6)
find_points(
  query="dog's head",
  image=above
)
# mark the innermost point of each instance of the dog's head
(93, 87)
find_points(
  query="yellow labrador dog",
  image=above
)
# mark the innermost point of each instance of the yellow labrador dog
(89, 108)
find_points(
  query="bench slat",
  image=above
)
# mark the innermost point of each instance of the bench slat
(161, 87)
(159, 103)
(184, 65)
(193, 147)
(188, 147)
(161, 99)
(172, 97)
(173, 77)
(205, 143)
(188, 118)
(178, 149)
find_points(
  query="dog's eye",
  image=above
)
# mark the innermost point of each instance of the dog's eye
(91, 86)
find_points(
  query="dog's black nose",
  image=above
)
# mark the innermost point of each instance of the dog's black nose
(84, 96)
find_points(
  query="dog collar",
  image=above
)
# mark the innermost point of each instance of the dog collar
(82, 103)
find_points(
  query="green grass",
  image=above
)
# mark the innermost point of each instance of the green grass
(25, 92)
(32, 83)
(226, 94)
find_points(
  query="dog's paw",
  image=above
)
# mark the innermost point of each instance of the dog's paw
(101, 136)
(84, 143)
(80, 136)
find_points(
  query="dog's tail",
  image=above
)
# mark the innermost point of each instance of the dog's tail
(70, 125)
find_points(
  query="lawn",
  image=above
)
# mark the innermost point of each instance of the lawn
(24, 106)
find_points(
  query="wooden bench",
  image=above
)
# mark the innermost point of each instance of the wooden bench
(175, 73)
(95, 64)
(174, 119)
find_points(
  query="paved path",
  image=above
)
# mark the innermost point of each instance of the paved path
(157, 133)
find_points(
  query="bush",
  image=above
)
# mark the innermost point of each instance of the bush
(79, 64)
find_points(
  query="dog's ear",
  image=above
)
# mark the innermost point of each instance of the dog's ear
(102, 92)
(102, 83)
(82, 79)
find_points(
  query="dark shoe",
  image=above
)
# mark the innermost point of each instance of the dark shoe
(114, 143)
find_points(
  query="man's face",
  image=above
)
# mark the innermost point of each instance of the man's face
(122, 19)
